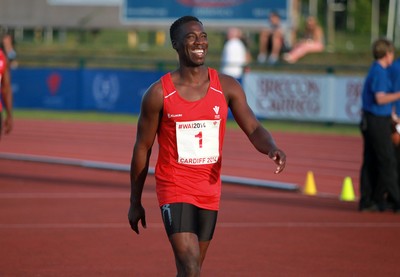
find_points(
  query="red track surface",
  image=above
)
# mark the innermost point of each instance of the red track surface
(70, 221)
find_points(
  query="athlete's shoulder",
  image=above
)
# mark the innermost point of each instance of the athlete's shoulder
(228, 82)
(154, 94)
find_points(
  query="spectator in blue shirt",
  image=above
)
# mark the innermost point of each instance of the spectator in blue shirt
(378, 176)
(394, 71)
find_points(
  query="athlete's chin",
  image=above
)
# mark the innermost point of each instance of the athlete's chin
(196, 64)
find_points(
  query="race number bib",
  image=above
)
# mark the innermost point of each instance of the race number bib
(198, 141)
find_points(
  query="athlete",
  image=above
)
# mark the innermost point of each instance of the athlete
(187, 110)
(6, 93)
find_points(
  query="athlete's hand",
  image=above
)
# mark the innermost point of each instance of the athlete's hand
(8, 125)
(279, 157)
(136, 213)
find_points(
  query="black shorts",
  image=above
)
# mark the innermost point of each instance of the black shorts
(183, 217)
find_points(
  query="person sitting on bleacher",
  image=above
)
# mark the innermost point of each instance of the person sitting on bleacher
(271, 40)
(312, 42)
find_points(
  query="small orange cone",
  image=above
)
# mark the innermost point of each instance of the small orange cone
(347, 190)
(309, 187)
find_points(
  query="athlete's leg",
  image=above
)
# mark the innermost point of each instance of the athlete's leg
(190, 230)
(203, 245)
(263, 45)
(187, 254)
(207, 221)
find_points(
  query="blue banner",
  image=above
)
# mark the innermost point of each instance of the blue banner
(215, 11)
(81, 89)
(46, 88)
(116, 90)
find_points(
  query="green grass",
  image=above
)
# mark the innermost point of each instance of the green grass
(74, 116)
(272, 125)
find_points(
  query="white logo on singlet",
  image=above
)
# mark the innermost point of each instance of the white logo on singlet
(216, 109)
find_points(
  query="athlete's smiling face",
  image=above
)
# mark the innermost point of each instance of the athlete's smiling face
(192, 44)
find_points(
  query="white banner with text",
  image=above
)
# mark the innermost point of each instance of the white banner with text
(326, 98)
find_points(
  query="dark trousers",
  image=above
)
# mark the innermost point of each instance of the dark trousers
(378, 176)
(398, 164)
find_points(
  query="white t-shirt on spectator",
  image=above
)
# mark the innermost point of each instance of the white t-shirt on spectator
(233, 57)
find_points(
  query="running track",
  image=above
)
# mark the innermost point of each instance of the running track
(58, 220)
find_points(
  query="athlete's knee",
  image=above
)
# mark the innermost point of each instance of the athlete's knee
(188, 266)
(188, 262)
(192, 270)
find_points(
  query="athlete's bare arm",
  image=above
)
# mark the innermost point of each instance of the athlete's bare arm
(149, 118)
(244, 116)
(6, 94)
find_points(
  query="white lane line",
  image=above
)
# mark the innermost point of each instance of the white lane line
(313, 224)
(151, 170)
(219, 225)
(58, 195)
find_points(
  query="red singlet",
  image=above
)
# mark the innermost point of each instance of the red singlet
(190, 139)
(3, 64)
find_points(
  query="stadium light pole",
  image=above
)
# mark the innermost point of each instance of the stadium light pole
(374, 20)
(391, 19)
(330, 24)
(332, 8)
(313, 8)
(397, 27)
(351, 7)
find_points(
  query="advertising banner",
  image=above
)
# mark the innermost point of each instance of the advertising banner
(46, 88)
(239, 12)
(348, 99)
(323, 98)
(76, 89)
(116, 90)
(290, 96)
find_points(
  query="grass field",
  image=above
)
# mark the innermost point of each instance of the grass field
(272, 125)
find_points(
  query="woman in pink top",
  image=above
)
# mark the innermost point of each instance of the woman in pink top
(312, 42)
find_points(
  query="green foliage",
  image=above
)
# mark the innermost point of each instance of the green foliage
(362, 17)
(113, 48)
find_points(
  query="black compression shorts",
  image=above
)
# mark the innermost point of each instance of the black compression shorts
(183, 217)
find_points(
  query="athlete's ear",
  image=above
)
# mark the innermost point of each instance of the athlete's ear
(174, 45)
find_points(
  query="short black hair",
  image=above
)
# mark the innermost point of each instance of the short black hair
(173, 31)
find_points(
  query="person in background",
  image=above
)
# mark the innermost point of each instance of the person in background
(5, 92)
(378, 176)
(271, 41)
(235, 56)
(312, 42)
(394, 71)
(9, 50)
(187, 110)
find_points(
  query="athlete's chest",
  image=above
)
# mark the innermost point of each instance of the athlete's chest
(212, 106)
(193, 92)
